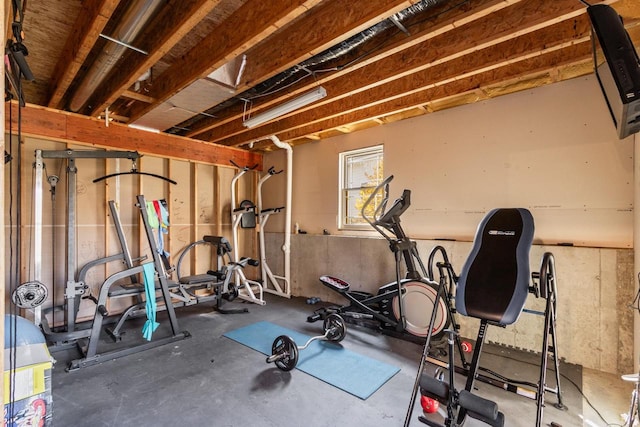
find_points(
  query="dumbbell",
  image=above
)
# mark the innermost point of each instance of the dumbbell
(284, 351)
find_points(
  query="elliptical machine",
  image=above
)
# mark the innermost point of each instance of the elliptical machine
(401, 308)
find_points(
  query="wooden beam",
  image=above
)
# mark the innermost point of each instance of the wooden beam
(537, 65)
(57, 125)
(137, 96)
(255, 20)
(324, 26)
(445, 19)
(413, 65)
(543, 41)
(327, 24)
(176, 19)
(91, 20)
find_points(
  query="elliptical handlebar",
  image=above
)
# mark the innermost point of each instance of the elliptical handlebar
(379, 210)
(386, 219)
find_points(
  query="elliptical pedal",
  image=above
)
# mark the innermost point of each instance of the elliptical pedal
(334, 283)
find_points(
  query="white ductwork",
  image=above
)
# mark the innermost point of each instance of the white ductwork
(135, 18)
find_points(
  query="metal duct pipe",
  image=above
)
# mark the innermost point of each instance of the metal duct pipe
(135, 18)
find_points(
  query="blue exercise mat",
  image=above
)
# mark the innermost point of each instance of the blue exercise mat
(356, 374)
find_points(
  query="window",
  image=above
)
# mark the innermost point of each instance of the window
(360, 172)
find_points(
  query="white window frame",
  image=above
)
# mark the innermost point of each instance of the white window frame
(344, 222)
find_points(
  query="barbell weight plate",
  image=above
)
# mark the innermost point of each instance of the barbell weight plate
(286, 351)
(334, 327)
(29, 295)
(232, 294)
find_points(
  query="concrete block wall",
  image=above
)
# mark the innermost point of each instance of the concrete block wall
(594, 287)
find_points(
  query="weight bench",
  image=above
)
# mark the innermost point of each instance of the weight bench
(171, 293)
(493, 287)
(184, 291)
(111, 286)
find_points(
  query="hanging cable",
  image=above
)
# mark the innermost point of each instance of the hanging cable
(16, 71)
(53, 180)
(10, 410)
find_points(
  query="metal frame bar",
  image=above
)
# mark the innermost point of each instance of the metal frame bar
(268, 278)
(159, 266)
(240, 278)
(71, 285)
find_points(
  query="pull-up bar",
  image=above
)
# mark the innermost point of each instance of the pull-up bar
(134, 171)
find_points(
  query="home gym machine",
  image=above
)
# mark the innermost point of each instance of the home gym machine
(214, 285)
(218, 282)
(74, 290)
(112, 287)
(275, 284)
(402, 308)
(244, 216)
(493, 288)
(285, 352)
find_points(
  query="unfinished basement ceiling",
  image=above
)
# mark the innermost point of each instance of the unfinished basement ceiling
(198, 68)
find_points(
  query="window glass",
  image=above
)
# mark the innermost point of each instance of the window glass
(361, 171)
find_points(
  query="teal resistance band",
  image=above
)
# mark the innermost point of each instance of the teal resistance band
(150, 289)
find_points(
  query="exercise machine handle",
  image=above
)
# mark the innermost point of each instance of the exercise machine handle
(379, 210)
(272, 210)
(245, 168)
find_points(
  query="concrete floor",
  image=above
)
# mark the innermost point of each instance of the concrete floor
(610, 396)
(209, 379)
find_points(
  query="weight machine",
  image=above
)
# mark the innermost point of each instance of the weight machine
(122, 284)
(74, 289)
(214, 285)
(126, 284)
(113, 287)
(244, 216)
(278, 285)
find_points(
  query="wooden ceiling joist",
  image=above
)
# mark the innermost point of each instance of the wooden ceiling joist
(383, 76)
(571, 55)
(252, 22)
(297, 42)
(412, 70)
(91, 21)
(447, 19)
(181, 18)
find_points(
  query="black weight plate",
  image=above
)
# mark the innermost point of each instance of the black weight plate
(287, 349)
(334, 327)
